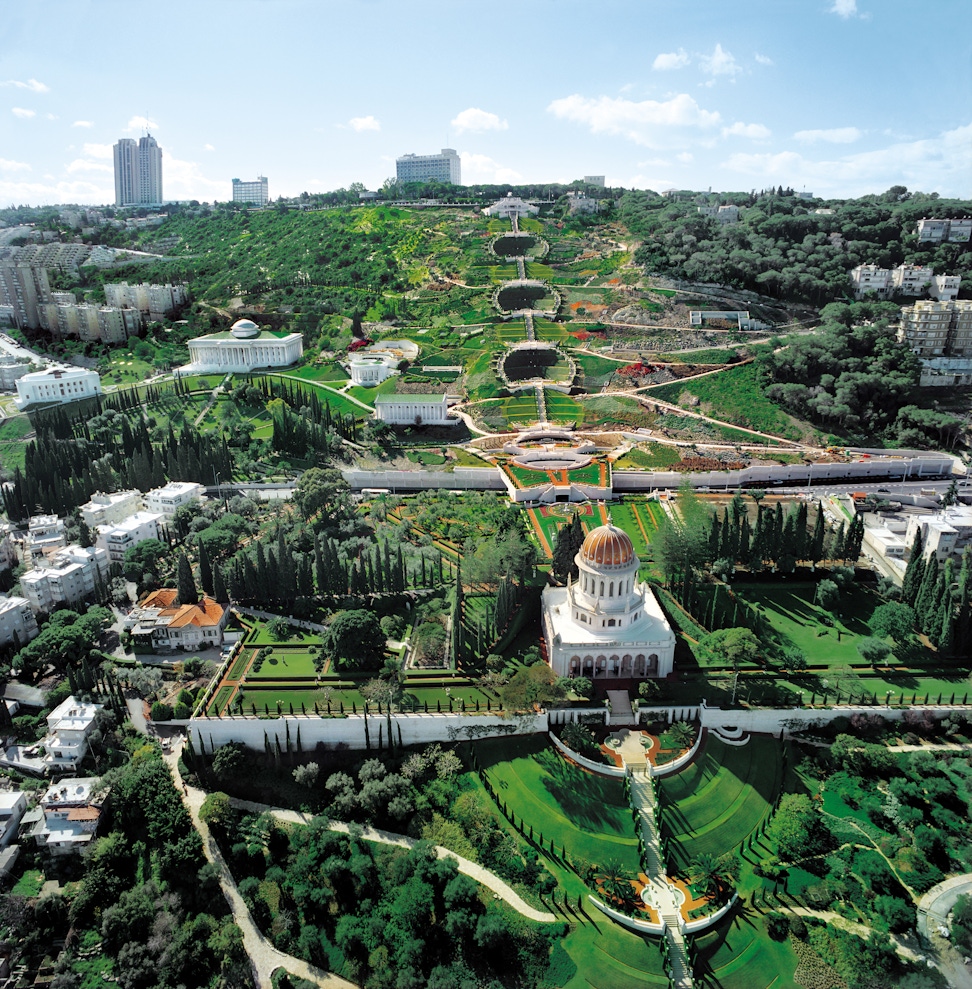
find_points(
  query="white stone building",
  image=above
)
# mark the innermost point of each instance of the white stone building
(607, 623)
(414, 410)
(371, 369)
(935, 329)
(511, 205)
(57, 384)
(45, 534)
(256, 192)
(72, 812)
(721, 214)
(17, 621)
(943, 534)
(244, 347)
(103, 509)
(155, 301)
(69, 578)
(68, 728)
(119, 537)
(936, 231)
(11, 369)
(906, 279)
(443, 167)
(172, 496)
(160, 624)
(870, 279)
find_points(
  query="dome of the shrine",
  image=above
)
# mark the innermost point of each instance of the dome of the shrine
(607, 546)
(245, 328)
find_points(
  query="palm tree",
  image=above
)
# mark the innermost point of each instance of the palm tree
(682, 734)
(713, 874)
(615, 885)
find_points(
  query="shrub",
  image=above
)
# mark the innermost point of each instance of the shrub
(161, 712)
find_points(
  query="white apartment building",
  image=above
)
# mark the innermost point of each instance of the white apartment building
(72, 812)
(23, 287)
(943, 534)
(68, 578)
(13, 803)
(244, 347)
(57, 384)
(256, 192)
(68, 728)
(138, 172)
(108, 324)
(721, 214)
(11, 369)
(443, 167)
(168, 499)
(45, 534)
(936, 231)
(869, 278)
(597, 180)
(119, 537)
(911, 279)
(104, 509)
(414, 410)
(17, 621)
(935, 329)
(151, 299)
(906, 279)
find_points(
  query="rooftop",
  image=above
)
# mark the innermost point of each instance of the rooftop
(160, 608)
(395, 399)
(261, 335)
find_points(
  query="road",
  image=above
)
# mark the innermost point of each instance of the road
(933, 910)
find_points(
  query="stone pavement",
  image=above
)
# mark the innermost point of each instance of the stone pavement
(466, 867)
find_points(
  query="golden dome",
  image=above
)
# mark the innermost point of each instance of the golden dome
(607, 546)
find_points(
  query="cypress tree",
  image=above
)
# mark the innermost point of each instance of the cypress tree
(219, 585)
(205, 569)
(926, 602)
(914, 572)
(186, 586)
(816, 550)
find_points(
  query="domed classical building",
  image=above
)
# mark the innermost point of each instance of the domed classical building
(243, 347)
(606, 623)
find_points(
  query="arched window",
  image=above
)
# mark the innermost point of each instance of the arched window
(602, 588)
(610, 621)
(611, 589)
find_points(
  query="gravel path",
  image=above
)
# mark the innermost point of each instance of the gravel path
(468, 868)
(264, 957)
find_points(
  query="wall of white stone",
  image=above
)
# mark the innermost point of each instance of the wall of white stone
(254, 733)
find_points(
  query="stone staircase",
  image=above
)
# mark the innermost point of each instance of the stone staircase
(541, 403)
(531, 333)
(681, 970)
(520, 268)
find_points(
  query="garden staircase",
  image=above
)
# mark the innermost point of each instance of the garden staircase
(520, 268)
(541, 404)
(677, 953)
(531, 333)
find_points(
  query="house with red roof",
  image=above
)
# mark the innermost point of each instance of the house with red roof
(161, 624)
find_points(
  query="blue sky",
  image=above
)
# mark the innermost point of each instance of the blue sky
(839, 97)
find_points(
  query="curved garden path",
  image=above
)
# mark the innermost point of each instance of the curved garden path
(264, 957)
(488, 879)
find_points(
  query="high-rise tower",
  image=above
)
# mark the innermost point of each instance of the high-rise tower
(138, 172)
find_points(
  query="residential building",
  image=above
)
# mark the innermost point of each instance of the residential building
(119, 537)
(936, 231)
(156, 301)
(138, 172)
(8, 553)
(597, 180)
(104, 509)
(168, 499)
(68, 728)
(69, 578)
(911, 279)
(251, 192)
(443, 167)
(946, 372)
(945, 287)
(906, 279)
(244, 347)
(721, 214)
(17, 622)
(607, 623)
(45, 534)
(24, 287)
(160, 624)
(63, 257)
(579, 202)
(13, 803)
(414, 410)
(72, 812)
(90, 322)
(57, 384)
(511, 205)
(12, 368)
(943, 534)
(934, 329)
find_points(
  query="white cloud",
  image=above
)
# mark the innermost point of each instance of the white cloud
(83, 165)
(720, 63)
(844, 8)
(141, 123)
(756, 132)
(652, 123)
(185, 180)
(208, 147)
(19, 111)
(667, 61)
(52, 116)
(364, 123)
(53, 191)
(938, 164)
(763, 59)
(483, 170)
(32, 84)
(82, 123)
(833, 135)
(6, 165)
(476, 120)
(98, 150)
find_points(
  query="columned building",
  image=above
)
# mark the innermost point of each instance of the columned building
(244, 347)
(606, 623)
(414, 410)
(57, 384)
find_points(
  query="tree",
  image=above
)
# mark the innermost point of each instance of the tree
(216, 809)
(307, 774)
(323, 495)
(730, 646)
(205, 569)
(615, 884)
(278, 628)
(873, 650)
(144, 559)
(716, 875)
(355, 641)
(682, 734)
(827, 595)
(894, 620)
(797, 827)
(579, 737)
(186, 587)
(219, 585)
(531, 686)
(229, 760)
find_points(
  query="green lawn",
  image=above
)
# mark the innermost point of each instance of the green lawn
(562, 408)
(649, 456)
(736, 395)
(587, 814)
(427, 458)
(520, 409)
(719, 800)
(332, 371)
(739, 954)
(550, 331)
(512, 332)
(365, 394)
(285, 663)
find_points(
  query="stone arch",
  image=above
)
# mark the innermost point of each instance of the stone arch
(626, 665)
(653, 663)
(639, 667)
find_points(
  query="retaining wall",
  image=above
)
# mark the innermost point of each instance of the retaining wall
(595, 767)
(641, 926)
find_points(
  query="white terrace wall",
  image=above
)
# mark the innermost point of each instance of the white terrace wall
(797, 719)
(254, 733)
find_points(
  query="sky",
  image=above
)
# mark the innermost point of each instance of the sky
(836, 97)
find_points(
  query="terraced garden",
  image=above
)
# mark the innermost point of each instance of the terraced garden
(714, 804)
